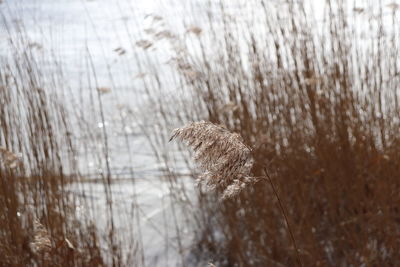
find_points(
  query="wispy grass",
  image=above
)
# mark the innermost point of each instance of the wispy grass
(317, 103)
(226, 160)
(41, 198)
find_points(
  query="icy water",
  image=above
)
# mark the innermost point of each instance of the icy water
(83, 45)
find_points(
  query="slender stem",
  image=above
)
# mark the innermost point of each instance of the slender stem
(285, 216)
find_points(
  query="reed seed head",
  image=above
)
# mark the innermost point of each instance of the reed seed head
(9, 159)
(41, 244)
(224, 158)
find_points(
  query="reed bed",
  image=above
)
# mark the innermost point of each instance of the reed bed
(296, 133)
(46, 217)
(317, 104)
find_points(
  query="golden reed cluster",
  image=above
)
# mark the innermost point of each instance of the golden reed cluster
(41, 244)
(9, 159)
(223, 156)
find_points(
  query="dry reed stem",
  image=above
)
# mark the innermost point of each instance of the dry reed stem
(223, 156)
(300, 263)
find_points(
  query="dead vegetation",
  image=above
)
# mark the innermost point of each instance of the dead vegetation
(317, 103)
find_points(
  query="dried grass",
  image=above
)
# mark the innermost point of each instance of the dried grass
(222, 155)
(324, 106)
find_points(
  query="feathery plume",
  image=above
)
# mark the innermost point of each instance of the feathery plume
(223, 156)
(9, 159)
(41, 243)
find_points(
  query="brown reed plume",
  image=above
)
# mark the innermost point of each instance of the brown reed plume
(41, 243)
(9, 159)
(226, 160)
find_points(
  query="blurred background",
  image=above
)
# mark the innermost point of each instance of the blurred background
(90, 91)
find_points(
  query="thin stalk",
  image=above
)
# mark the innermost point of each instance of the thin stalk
(285, 216)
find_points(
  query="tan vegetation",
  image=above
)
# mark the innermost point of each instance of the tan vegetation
(319, 106)
(315, 103)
